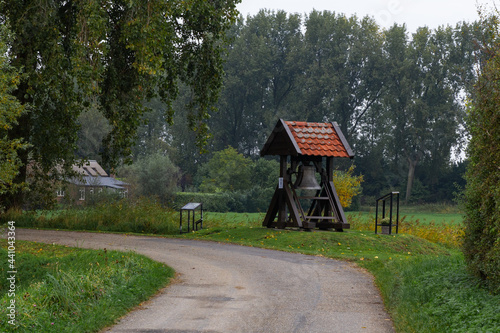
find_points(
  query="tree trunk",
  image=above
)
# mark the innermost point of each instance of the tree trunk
(412, 164)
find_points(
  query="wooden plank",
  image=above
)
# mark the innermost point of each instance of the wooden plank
(313, 197)
(320, 217)
(281, 193)
(280, 142)
(309, 225)
(292, 138)
(343, 140)
(294, 212)
(334, 225)
(272, 210)
(338, 207)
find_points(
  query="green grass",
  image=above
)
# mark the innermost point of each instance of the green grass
(424, 218)
(144, 216)
(62, 289)
(350, 245)
(435, 294)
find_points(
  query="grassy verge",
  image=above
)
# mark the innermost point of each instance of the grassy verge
(144, 216)
(436, 294)
(61, 289)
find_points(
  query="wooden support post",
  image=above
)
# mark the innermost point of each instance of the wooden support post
(272, 210)
(338, 210)
(296, 220)
(329, 178)
(281, 193)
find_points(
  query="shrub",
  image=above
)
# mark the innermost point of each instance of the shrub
(226, 171)
(482, 194)
(347, 185)
(153, 175)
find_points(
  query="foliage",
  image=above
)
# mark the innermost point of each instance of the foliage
(262, 68)
(114, 55)
(482, 193)
(423, 110)
(153, 175)
(61, 289)
(10, 111)
(344, 54)
(265, 173)
(232, 182)
(227, 170)
(397, 95)
(347, 185)
(93, 129)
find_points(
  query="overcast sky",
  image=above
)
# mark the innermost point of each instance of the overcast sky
(415, 13)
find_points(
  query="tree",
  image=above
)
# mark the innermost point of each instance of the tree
(262, 68)
(482, 194)
(423, 113)
(153, 175)
(119, 53)
(226, 171)
(10, 111)
(93, 128)
(343, 77)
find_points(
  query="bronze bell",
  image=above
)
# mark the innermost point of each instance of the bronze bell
(306, 178)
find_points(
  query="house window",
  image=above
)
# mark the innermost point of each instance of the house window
(124, 193)
(60, 192)
(82, 193)
(91, 191)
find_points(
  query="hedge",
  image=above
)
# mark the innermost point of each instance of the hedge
(255, 200)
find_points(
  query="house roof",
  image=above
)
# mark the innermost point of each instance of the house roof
(91, 168)
(99, 182)
(92, 174)
(307, 139)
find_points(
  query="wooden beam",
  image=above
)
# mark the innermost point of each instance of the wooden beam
(338, 210)
(272, 210)
(292, 208)
(292, 138)
(343, 140)
(281, 193)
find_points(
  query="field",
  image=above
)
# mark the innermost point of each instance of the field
(420, 272)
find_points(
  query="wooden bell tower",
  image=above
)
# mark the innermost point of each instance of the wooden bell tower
(301, 146)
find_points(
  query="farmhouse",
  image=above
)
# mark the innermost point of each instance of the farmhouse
(91, 180)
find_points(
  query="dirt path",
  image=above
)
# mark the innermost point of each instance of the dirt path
(228, 288)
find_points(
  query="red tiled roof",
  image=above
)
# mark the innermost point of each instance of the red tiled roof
(318, 139)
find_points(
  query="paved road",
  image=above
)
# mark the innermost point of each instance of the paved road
(228, 288)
